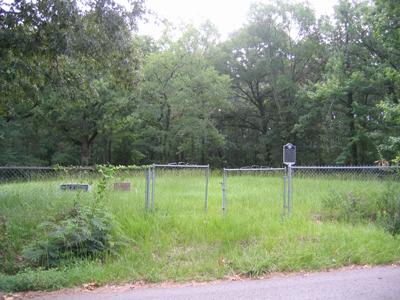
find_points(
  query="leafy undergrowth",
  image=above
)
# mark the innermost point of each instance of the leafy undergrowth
(380, 207)
(51, 239)
(89, 232)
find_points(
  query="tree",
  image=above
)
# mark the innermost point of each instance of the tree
(386, 18)
(52, 53)
(268, 60)
(42, 42)
(343, 104)
(181, 92)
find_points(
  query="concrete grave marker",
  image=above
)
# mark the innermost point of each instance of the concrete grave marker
(122, 186)
(75, 187)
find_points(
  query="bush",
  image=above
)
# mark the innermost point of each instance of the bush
(389, 211)
(30, 279)
(349, 206)
(382, 207)
(89, 233)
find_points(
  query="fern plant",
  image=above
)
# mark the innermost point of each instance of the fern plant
(89, 233)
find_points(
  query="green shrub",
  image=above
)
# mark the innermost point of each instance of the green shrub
(349, 206)
(30, 279)
(88, 233)
(382, 207)
(388, 214)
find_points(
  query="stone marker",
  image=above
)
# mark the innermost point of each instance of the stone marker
(122, 186)
(75, 186)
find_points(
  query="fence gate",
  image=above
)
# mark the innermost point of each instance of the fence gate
(255, 189)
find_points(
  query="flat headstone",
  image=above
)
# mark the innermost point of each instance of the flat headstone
(75, 187)
(122, 186)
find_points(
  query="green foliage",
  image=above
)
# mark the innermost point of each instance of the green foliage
(107, 172)
(392, 117)
(180, 95)
(70, 76)
(65, 69)
(83, 232)
(389, 211)
(346, 123)
(380, 207)
(268, 64)
(349, 206)
(44, 44)
(33, 279)
(12, 239)
(176, 241)
(88, 233)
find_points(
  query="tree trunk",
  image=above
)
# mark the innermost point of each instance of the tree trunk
(86, 141)
(184, 156)
(85, 150)
(109, 151)
(352, 128)
(204, 154)
(105, 144)
(193, 152)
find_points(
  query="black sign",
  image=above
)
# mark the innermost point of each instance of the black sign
(289, 154)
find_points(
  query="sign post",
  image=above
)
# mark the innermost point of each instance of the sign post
(289, 159)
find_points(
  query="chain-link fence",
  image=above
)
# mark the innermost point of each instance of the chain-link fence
(21, 174)
(166, 188)
(345, 190)
(178, 188)
(56, 182)
(253, 190)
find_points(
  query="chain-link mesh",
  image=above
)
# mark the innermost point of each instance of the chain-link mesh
(184, 189)
(20, 174)
(126, 184)
(315, 189)
(129, 186)
(253, 191)
(179, 189)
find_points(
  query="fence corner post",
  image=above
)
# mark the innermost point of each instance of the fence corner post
(223, 193)
(208, 178)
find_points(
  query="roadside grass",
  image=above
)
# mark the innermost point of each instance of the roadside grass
(179, 242)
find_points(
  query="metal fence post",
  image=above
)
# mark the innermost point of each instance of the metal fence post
(223, 193)
(153, 184)
(285, 177)
(208, 176)
(290, 190)
(148, 174)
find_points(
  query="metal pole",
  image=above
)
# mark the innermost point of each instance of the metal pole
(152, 195)
(223, 194)
(290, 190)
(284, 193)
(148, 190)
(208, 176)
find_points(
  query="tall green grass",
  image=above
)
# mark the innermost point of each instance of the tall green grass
(179, 242)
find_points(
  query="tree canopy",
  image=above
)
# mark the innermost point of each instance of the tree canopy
(79, 86)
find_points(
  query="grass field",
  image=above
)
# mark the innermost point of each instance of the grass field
(179, 242)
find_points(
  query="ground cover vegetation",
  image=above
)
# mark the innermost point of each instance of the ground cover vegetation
(79, 86)
(52, 238)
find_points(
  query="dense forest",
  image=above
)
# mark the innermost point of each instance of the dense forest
(79, 86)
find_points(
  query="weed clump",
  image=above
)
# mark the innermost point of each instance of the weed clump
(88, 233)
(33, 279)
(382, 208)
